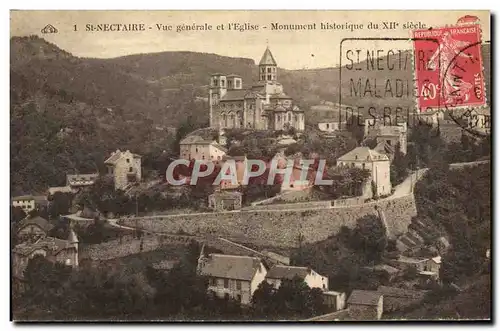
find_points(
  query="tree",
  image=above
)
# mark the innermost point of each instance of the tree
(60, 204)
(399, 167)
(16, 214)
(369, 238)
(356, 127)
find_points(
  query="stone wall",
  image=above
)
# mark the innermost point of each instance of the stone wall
(281, 227)
(128, 245)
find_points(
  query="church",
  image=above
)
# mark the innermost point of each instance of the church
(263, 106)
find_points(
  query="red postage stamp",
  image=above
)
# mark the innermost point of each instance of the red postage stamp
(449, 67)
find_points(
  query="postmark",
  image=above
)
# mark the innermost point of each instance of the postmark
(451, 75)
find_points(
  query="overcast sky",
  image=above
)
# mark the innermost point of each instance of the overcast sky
(291, 49)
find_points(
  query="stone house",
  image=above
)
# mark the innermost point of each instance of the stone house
(365, 305)
(53, 249)
(79, 181)
(225, 200)
(278, 273)
(125, 168)
(32, 229)
(29, 202)
(334, 300)
(399, 298)
(420, 264)
(197, 148)
(378, 164)
(232, 276)
(391, 136)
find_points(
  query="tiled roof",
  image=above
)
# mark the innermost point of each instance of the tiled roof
(279, 96)
(267, 58)
(399, 292)
(81, 179)
(384, 148)
(234, 95)
(363, 297)
(53, 244)
(22, 198)
(287, 272)
(115, 156)
(226, 195)
(407, 259)
(194, 139)
(363, 154)
(230, 266)
(38, 221)
(62, 189)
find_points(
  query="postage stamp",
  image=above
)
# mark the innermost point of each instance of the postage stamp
(449, 67)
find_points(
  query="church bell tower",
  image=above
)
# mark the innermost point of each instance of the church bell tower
(268, 69)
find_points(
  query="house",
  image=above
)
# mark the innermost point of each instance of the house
(479, 119)
(399, 298)
(195, 147)
(76, 182)
(232, 276)
(53, 249)
(262, 106)
(378, 164)
(278, 273)
(225, 200)
(125, 168)
(365, 305)
(32, 229)
(241, 165)
(327, 117)
(301, 177)
(392, 136)
(420, 264)
(334, 300)
(430, 117)
(29, 202)
(384, 270)
(61, 189)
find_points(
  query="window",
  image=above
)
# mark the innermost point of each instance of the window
(289, 117)
(263, 70)
(352, 164)
(237, 84)
(274, 69)
(212, 281)
(203, 157)
(238, 284)
(327, 125)
(363, 165)
(226, 283)
(269, 70)
(388, 142)
(269, 77)
(128, 160)
(196, 149)
(356, 157)
(238, 298)
(279, 118)
(222, 83)
(295, 118)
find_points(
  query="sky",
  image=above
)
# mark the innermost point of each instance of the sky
(305, 49)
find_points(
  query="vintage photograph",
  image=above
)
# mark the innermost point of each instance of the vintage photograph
(300, 166)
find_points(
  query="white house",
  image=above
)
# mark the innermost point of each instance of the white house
(378, 164)
(232, 276)
(29, 202)
(278, 273)
(196, 148)
(125, 168)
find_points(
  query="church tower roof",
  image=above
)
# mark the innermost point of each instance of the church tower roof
(267, 58)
